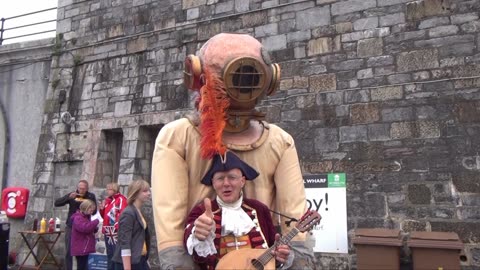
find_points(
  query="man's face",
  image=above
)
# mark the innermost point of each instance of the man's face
(228, 185)
(82, 188)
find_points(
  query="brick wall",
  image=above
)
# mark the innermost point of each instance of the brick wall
(384, 90)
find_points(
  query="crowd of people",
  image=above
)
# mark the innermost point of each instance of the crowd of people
(124, 226)
(212, 229)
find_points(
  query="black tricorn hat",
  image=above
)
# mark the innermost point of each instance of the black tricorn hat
(228, 162)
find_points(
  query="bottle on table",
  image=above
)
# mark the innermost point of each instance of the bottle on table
(57, 225)
(51, 225)
(43, 226)
(35, 225)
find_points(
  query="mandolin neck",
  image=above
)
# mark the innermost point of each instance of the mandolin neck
(267, 255)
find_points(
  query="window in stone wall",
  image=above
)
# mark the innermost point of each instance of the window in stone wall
(108, 159)
(145, 147)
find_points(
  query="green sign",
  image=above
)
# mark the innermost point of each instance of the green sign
(336, 180)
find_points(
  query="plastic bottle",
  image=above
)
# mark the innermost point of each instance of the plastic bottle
(35, 225)
(43, 226)
(51, 225)
(3, 217)
(57, 224)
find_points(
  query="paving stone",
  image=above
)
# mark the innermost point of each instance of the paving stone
(370, 47)
(323, 82)
(441, 31)
(313, 17)
(365, 23)
(471, 27)
(273, 43)
(319, 46)
(463, 18)
(242, 6)
(353, 134)
(416, 60)
(392, 19)
(397, 114)
(266, 30)
(352, 6)
(364, 113)
(433, 22)
(186, 4)
(326, 139)
(417, 10)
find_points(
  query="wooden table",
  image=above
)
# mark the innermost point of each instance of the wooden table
(43, 240)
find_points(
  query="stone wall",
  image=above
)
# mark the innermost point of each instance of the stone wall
(384, 90)
(24, 75)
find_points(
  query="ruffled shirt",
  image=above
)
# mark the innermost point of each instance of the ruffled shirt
(235, 221)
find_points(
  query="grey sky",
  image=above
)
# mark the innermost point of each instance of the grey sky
(9, 8)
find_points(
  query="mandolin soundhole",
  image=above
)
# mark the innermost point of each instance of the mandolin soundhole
(257, 264)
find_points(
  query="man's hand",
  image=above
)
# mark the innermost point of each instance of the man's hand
(281, 252)
(73, 195)
(101, 204)
(204, 223)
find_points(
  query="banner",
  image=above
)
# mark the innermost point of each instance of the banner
(326, 194)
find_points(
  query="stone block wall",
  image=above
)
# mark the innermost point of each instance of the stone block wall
(24, 77)
(384, 90)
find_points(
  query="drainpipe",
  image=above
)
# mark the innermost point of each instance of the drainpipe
(3, 118)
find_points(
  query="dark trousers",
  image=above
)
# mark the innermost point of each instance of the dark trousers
(110, 246)
(82, 262)
(68, 256)
(142, 265)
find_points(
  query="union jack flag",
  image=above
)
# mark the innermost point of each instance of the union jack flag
(111, 234)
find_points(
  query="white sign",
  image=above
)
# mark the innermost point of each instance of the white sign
(326, 194)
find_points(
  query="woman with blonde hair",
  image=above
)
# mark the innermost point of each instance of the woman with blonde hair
(133, 244)
(83, 233)
(110, 210)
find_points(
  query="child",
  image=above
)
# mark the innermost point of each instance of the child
(83, 234)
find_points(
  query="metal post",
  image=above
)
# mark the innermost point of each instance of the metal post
(1, 30)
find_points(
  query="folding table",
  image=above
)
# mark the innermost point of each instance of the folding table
(43, 241)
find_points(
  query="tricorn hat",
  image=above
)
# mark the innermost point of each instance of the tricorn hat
(227, 162)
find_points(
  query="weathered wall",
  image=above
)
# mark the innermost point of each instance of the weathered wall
(384, 90)
(24, 75)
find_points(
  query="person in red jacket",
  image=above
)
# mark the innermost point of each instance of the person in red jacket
(110, 210)
(83, 234)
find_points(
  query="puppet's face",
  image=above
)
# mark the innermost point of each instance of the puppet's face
(242, 66)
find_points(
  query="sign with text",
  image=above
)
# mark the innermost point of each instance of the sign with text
(327, 194)
(97, 261)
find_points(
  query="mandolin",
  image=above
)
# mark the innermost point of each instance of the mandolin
(261, 259)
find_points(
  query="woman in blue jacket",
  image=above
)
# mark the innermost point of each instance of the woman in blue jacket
(133, 243)
(83, 234)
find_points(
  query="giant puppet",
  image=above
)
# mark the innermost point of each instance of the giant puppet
(232, 72)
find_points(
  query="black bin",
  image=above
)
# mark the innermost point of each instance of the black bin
(4, 242)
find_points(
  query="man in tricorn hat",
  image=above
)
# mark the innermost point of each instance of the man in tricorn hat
(231, 74)
(231, 223)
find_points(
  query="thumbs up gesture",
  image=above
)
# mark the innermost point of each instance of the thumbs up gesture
(204, 224)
